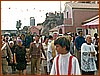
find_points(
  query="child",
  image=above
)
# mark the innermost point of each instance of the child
(64, 63)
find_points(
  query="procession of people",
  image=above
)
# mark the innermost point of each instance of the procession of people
(51, 55)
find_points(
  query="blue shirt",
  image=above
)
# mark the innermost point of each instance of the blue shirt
(79, 41)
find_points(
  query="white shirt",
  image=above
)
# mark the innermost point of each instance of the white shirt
(87, 60)
(49, 51)
(37, 44)
(63, 63)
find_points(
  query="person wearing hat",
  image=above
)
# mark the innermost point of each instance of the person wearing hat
(19, 57)
(5, 51)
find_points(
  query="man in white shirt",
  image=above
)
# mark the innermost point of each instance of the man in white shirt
(64, 63)
(49, 54)
(88, 57)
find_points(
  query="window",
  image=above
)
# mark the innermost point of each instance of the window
(67, 14)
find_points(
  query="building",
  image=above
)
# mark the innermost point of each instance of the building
(92, 2)
(36, 30)
(32, 21)
(76, 13)
(52, 20)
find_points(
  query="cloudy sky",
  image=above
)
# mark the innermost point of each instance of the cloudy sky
(11, 11)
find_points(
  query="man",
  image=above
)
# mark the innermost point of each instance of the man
(28, 40)
(64, 63)
(5, 53)
(88, 57)
(13, 65)
(96, 45)
(51, 52)
(78, 43)
(35, 53)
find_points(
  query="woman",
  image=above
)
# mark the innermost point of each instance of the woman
(88, 57)
(19, 57)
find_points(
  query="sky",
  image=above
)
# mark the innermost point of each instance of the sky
(12, 11)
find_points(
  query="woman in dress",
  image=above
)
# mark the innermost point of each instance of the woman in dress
(19, 57)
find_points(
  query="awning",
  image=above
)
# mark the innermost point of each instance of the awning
(92, 24)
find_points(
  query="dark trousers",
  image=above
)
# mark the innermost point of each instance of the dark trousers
(87, 73)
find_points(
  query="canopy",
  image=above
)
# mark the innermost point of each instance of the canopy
(92, 24)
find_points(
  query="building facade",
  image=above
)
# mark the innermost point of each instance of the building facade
(76, 13)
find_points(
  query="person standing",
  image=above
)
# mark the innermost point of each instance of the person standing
(23, 40)
(19, 57)
(51, 51)
(28, 40)
(96, 45)
(88, 57)
(78, 43)
(64, 63)
(36, 49)
(5, 51)
(13, 66)
(44, 61)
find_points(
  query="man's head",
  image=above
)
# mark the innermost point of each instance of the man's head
(55, 35)
(50, 37)
(95, 35)
(11, 43)
(80, 33)
(22, 36)
(88, 39)
(37, 37)
(62, 45)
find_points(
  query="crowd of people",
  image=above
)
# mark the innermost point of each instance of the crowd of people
(51, 55)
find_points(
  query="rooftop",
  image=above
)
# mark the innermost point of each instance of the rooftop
(83, 5)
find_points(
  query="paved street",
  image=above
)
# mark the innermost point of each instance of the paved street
(28, 68)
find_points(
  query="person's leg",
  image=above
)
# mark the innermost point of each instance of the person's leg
(38, 66)
(75, 51)
(24, 71)
(4, 66)
(91, 73)
(87, 73)
(33, 61)
(19, 72)
(48, 67)
(45, 69)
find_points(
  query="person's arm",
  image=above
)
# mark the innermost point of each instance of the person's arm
(49, 53)
(15, 58)
(4, 45)
(43, 51)
(77, 44)
(10, 53)
(31, 48)
(76, 67)
(93, 51)
(53, 70)
(15, 55)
